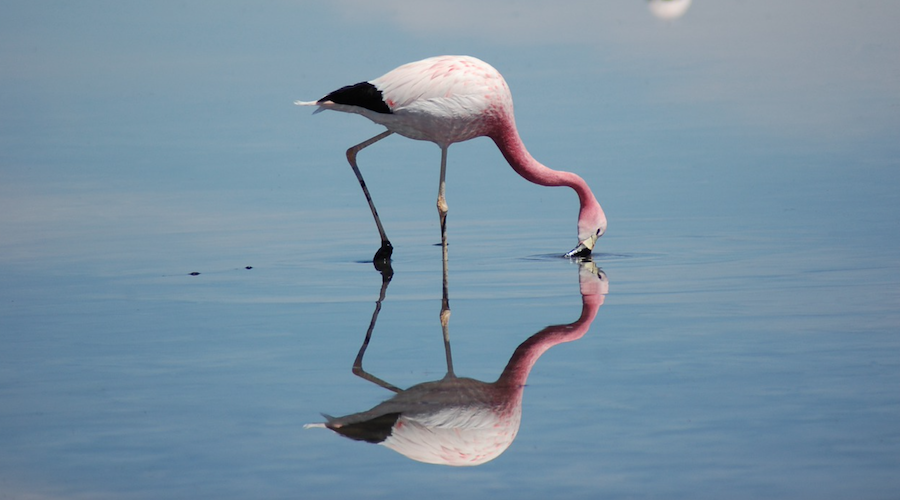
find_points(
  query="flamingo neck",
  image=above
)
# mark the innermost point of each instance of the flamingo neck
(507, 139)
(526, 355)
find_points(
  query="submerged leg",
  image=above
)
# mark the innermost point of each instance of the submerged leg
(383, 253)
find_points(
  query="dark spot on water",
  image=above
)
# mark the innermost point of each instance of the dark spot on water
(195, 273)
(249, 267)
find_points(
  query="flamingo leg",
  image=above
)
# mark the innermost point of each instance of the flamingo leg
(357, 364)
(445, 300)
(442, 202)
(383, 253)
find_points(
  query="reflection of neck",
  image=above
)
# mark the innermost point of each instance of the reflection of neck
(516, 372)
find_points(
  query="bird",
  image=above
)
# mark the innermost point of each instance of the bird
(460, 421)
(450, 99)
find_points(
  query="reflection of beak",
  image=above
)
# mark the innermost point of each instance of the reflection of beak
(591, 279)
(584, 248)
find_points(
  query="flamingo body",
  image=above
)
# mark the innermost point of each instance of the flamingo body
(454, 421)
(450, 99)
(442, 99)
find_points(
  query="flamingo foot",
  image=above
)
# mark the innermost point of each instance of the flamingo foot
(384, 253)
(384, 267)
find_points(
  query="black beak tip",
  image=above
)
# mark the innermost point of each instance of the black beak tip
(579, 251)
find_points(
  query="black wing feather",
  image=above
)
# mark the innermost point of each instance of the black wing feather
(374, 430)
(362, 94)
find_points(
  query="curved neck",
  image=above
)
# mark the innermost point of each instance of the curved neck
(507, 139)
(526, 355)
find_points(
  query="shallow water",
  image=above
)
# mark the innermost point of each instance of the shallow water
(747, 346)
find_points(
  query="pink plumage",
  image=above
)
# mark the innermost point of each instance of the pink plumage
(449, 99)
(460, 421)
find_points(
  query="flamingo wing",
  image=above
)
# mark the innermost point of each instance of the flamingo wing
(363, 94)
(438, 78)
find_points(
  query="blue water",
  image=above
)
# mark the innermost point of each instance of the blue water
(745, 155)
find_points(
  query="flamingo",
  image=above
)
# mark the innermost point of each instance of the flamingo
(450, 99)
(460, 421)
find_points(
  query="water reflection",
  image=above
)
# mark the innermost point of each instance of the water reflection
(460, 421)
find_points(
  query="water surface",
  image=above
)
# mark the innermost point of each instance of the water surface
(745, 155)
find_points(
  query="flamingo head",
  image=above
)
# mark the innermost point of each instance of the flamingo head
(591, 226)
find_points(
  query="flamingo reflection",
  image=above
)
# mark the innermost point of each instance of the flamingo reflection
(460, 421)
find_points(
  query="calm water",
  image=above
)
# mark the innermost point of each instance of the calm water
(745, 154)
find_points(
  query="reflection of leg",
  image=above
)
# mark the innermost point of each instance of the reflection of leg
(357, 364)
(386, 249)
(446, 329)
(445, 311)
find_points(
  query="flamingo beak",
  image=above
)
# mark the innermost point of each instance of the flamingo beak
(584, 248)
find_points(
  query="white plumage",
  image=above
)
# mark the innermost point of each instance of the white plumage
(461, 421)
(449, 99)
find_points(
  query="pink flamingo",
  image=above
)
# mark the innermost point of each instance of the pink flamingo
(449, 99)
(461, 421)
